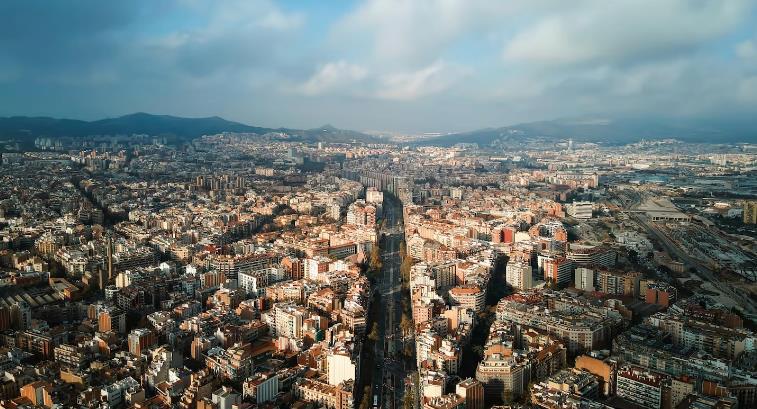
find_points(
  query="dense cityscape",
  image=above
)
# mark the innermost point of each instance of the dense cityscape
(378, 204)
(240, 270)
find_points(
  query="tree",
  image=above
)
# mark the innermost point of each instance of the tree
(408, 401)
(408, 350)
(373, 335)
(407, 264)
(406, 324)
(365, 403)
(375, 263)
(406, 303)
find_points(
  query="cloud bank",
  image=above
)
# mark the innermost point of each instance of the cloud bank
(379, 64)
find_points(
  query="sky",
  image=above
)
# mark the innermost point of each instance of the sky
(394, 65)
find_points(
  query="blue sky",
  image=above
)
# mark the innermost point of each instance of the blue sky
(422, 65)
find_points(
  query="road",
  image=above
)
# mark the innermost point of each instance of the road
(389, 373)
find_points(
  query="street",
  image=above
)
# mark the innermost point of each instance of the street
(389, 373)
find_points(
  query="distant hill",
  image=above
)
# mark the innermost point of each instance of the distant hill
(599, 130)
(26, 128)
(610, 131)
(328, 133)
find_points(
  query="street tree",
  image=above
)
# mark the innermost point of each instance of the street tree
(375, 263)
(373, 335)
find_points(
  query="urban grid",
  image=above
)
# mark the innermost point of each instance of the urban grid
(245, 270)
(521, 204)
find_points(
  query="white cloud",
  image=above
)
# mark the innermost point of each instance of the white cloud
(415, 33)
(429, 80)
(261, 13)
(624, 31)
(343, 78)
(747, 90)
(747, 49)
(236, 41)
(333, 76)
(277, 20)
(647, 78)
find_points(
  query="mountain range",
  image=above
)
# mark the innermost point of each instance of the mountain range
(25, 128)
(602, 130)
(611, 131)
